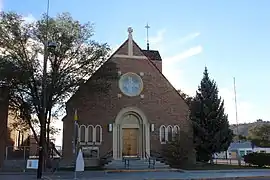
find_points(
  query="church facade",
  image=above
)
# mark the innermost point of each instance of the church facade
(132, 114)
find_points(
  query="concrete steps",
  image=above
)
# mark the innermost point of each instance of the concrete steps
(135, 165)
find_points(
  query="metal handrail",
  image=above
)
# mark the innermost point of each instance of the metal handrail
(107, 156)
(151, 160)
(126, 161)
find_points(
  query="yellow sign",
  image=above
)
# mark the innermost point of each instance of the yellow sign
(75, 116)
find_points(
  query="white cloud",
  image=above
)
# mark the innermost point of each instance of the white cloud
(184, 55)
(177, 77)
(29, 18)
(158, 38)
(189, 37)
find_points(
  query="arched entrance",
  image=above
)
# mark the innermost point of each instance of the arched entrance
(131, 136)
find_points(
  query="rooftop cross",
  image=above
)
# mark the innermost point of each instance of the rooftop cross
(147, 38)
(130, 42)
(130, 31)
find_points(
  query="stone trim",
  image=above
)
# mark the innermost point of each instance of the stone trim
(117, 132)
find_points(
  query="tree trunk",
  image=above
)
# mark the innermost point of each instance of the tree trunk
(48, 130)
(211, 159)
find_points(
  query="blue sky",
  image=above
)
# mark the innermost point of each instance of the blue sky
(231, 38)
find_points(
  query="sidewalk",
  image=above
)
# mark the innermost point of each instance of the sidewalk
(259, 174)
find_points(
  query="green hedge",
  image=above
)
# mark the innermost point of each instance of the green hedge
(258, 159)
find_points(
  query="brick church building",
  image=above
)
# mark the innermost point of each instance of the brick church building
(132, 114)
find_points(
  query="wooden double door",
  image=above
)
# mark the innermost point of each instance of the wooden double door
(130, 141)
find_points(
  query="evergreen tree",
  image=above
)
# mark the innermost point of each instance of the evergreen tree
(211, 127)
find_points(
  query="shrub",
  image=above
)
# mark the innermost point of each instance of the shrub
(176, 153)
(258, 159)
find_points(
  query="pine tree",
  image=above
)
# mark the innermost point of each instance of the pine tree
(211, 126)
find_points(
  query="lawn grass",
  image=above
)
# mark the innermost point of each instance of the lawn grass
(209, 166)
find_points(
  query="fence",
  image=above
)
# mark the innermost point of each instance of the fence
(230, 161)
(25, 152)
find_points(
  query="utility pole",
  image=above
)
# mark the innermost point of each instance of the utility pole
(42, 140)
(236, 113)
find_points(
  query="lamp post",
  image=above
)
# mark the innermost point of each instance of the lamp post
(50, 47)
(42, 140)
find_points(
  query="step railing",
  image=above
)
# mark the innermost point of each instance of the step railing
(151, 160)
(126, 162)
(107, 157)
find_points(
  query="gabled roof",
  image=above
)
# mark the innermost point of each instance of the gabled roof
(241, 145)
(152, 54)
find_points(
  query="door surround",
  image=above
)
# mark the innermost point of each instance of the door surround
(142, 125)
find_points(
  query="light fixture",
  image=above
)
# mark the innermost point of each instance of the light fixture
(152, 127)
(110, 127)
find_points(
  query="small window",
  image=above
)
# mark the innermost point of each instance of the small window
(98, 134)
(90, 133)
(241, 153)
(176, 131)
(162, 134)
(82, 133)
(170, 133)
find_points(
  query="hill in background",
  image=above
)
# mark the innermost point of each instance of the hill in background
(244, 128)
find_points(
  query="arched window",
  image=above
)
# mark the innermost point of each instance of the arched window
(176, 131)
(82, 134)
(169, 133)
(162, 134)
(98, 130)
(90, 133)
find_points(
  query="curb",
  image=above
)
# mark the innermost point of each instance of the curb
(227, 171)
(218, 178)
(142, 170)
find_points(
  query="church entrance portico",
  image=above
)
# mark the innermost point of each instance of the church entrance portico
(131, 134)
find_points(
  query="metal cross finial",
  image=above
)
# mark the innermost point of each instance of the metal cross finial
(147, 38)
(130, 30)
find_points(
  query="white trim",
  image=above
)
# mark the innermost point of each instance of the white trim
(100, 135)
(129, 57)
(160, 134)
